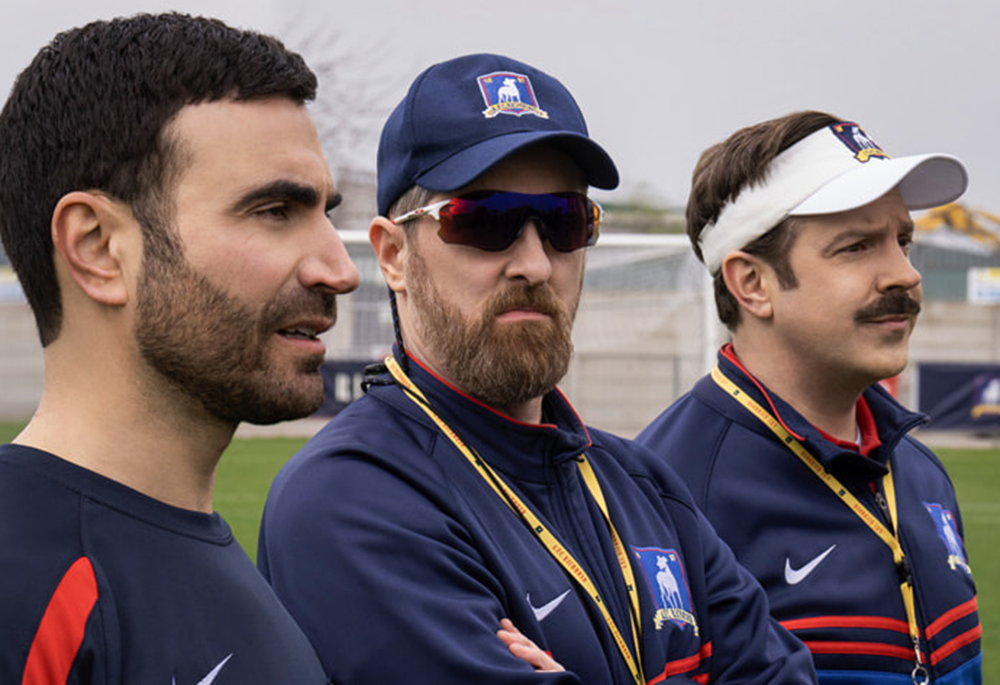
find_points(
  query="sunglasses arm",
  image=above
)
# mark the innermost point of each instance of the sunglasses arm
(432, 210)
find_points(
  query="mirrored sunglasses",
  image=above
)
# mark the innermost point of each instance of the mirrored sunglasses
(492, 219)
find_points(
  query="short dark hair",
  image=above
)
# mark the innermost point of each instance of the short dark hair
(725, 170)
(91, 112)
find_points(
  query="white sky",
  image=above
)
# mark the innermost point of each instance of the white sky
(658, 80)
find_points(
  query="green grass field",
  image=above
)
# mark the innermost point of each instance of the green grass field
(249, 466)
(245, 473)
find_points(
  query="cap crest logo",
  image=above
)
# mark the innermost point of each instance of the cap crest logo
(860, 145)
(508, 93)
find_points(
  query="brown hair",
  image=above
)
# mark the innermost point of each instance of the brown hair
(724, 170)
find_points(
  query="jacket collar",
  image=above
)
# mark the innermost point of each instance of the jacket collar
(521, 450)
(892, 419)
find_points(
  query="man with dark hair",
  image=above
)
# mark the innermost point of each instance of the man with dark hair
(792, 450)
(163, 200)
(463, 492)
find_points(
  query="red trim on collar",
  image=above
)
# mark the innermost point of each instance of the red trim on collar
(471, 398)
(866, 426)
(728, 352)
(491, 409)
(863, 413)
(843, 444)
(869, 429)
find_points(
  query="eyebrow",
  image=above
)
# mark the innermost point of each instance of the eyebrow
(288, 191)
(856, 233)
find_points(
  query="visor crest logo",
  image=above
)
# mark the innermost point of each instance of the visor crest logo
(861, 146)
(508, 93)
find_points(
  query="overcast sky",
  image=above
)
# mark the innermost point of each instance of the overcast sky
(658, 80)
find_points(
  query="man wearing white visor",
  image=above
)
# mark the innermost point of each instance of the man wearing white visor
(790, 446)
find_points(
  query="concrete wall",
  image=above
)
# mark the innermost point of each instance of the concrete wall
(635, 353)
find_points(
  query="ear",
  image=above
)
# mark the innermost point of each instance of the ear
(389, 241)
(749, 280)
(87, 237)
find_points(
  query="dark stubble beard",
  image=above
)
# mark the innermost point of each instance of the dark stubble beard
(501, 364)
(214, 348)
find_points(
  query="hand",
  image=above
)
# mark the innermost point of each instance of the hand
(525, 649)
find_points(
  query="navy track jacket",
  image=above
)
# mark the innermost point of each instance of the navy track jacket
(398, 560)
(830, 579)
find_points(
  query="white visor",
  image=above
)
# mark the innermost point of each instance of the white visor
(835, 169)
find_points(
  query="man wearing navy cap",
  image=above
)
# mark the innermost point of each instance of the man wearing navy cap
(463, 492)
(797, 456)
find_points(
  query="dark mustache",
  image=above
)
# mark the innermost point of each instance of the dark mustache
(538, 298)
(299, 304)
(893, 304)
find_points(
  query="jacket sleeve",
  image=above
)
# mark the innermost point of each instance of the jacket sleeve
(385, 583)
(748, 646)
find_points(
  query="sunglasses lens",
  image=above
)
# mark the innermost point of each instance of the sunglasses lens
(569, 220)
(493, 220)
(478, 219)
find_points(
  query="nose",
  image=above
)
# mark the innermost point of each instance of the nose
(899, 271)
(529, 258)
(327, 265)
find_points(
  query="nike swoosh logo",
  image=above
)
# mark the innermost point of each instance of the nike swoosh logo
(210, 678)
(543, 611)
(795, 576)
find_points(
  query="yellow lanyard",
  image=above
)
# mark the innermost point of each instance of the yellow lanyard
(891, 539)
(548, 539)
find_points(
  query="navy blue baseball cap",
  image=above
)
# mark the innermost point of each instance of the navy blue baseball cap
(463, 116)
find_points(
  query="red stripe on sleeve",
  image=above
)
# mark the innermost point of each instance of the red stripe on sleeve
(684, 665)
(876, 622)
(953, 645)
(61, 631)
(949, 617)
(869, 648)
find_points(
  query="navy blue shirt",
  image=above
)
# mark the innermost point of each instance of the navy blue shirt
(102, 585)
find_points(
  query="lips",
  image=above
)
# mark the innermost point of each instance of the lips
(307, 330)
(300, 315)
(525, 310)
(304, 333)
(888, 319)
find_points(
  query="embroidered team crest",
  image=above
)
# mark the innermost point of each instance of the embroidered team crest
(987, 396)
(509, 93)
(948, 531)
(668, 586)
(857, 142)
